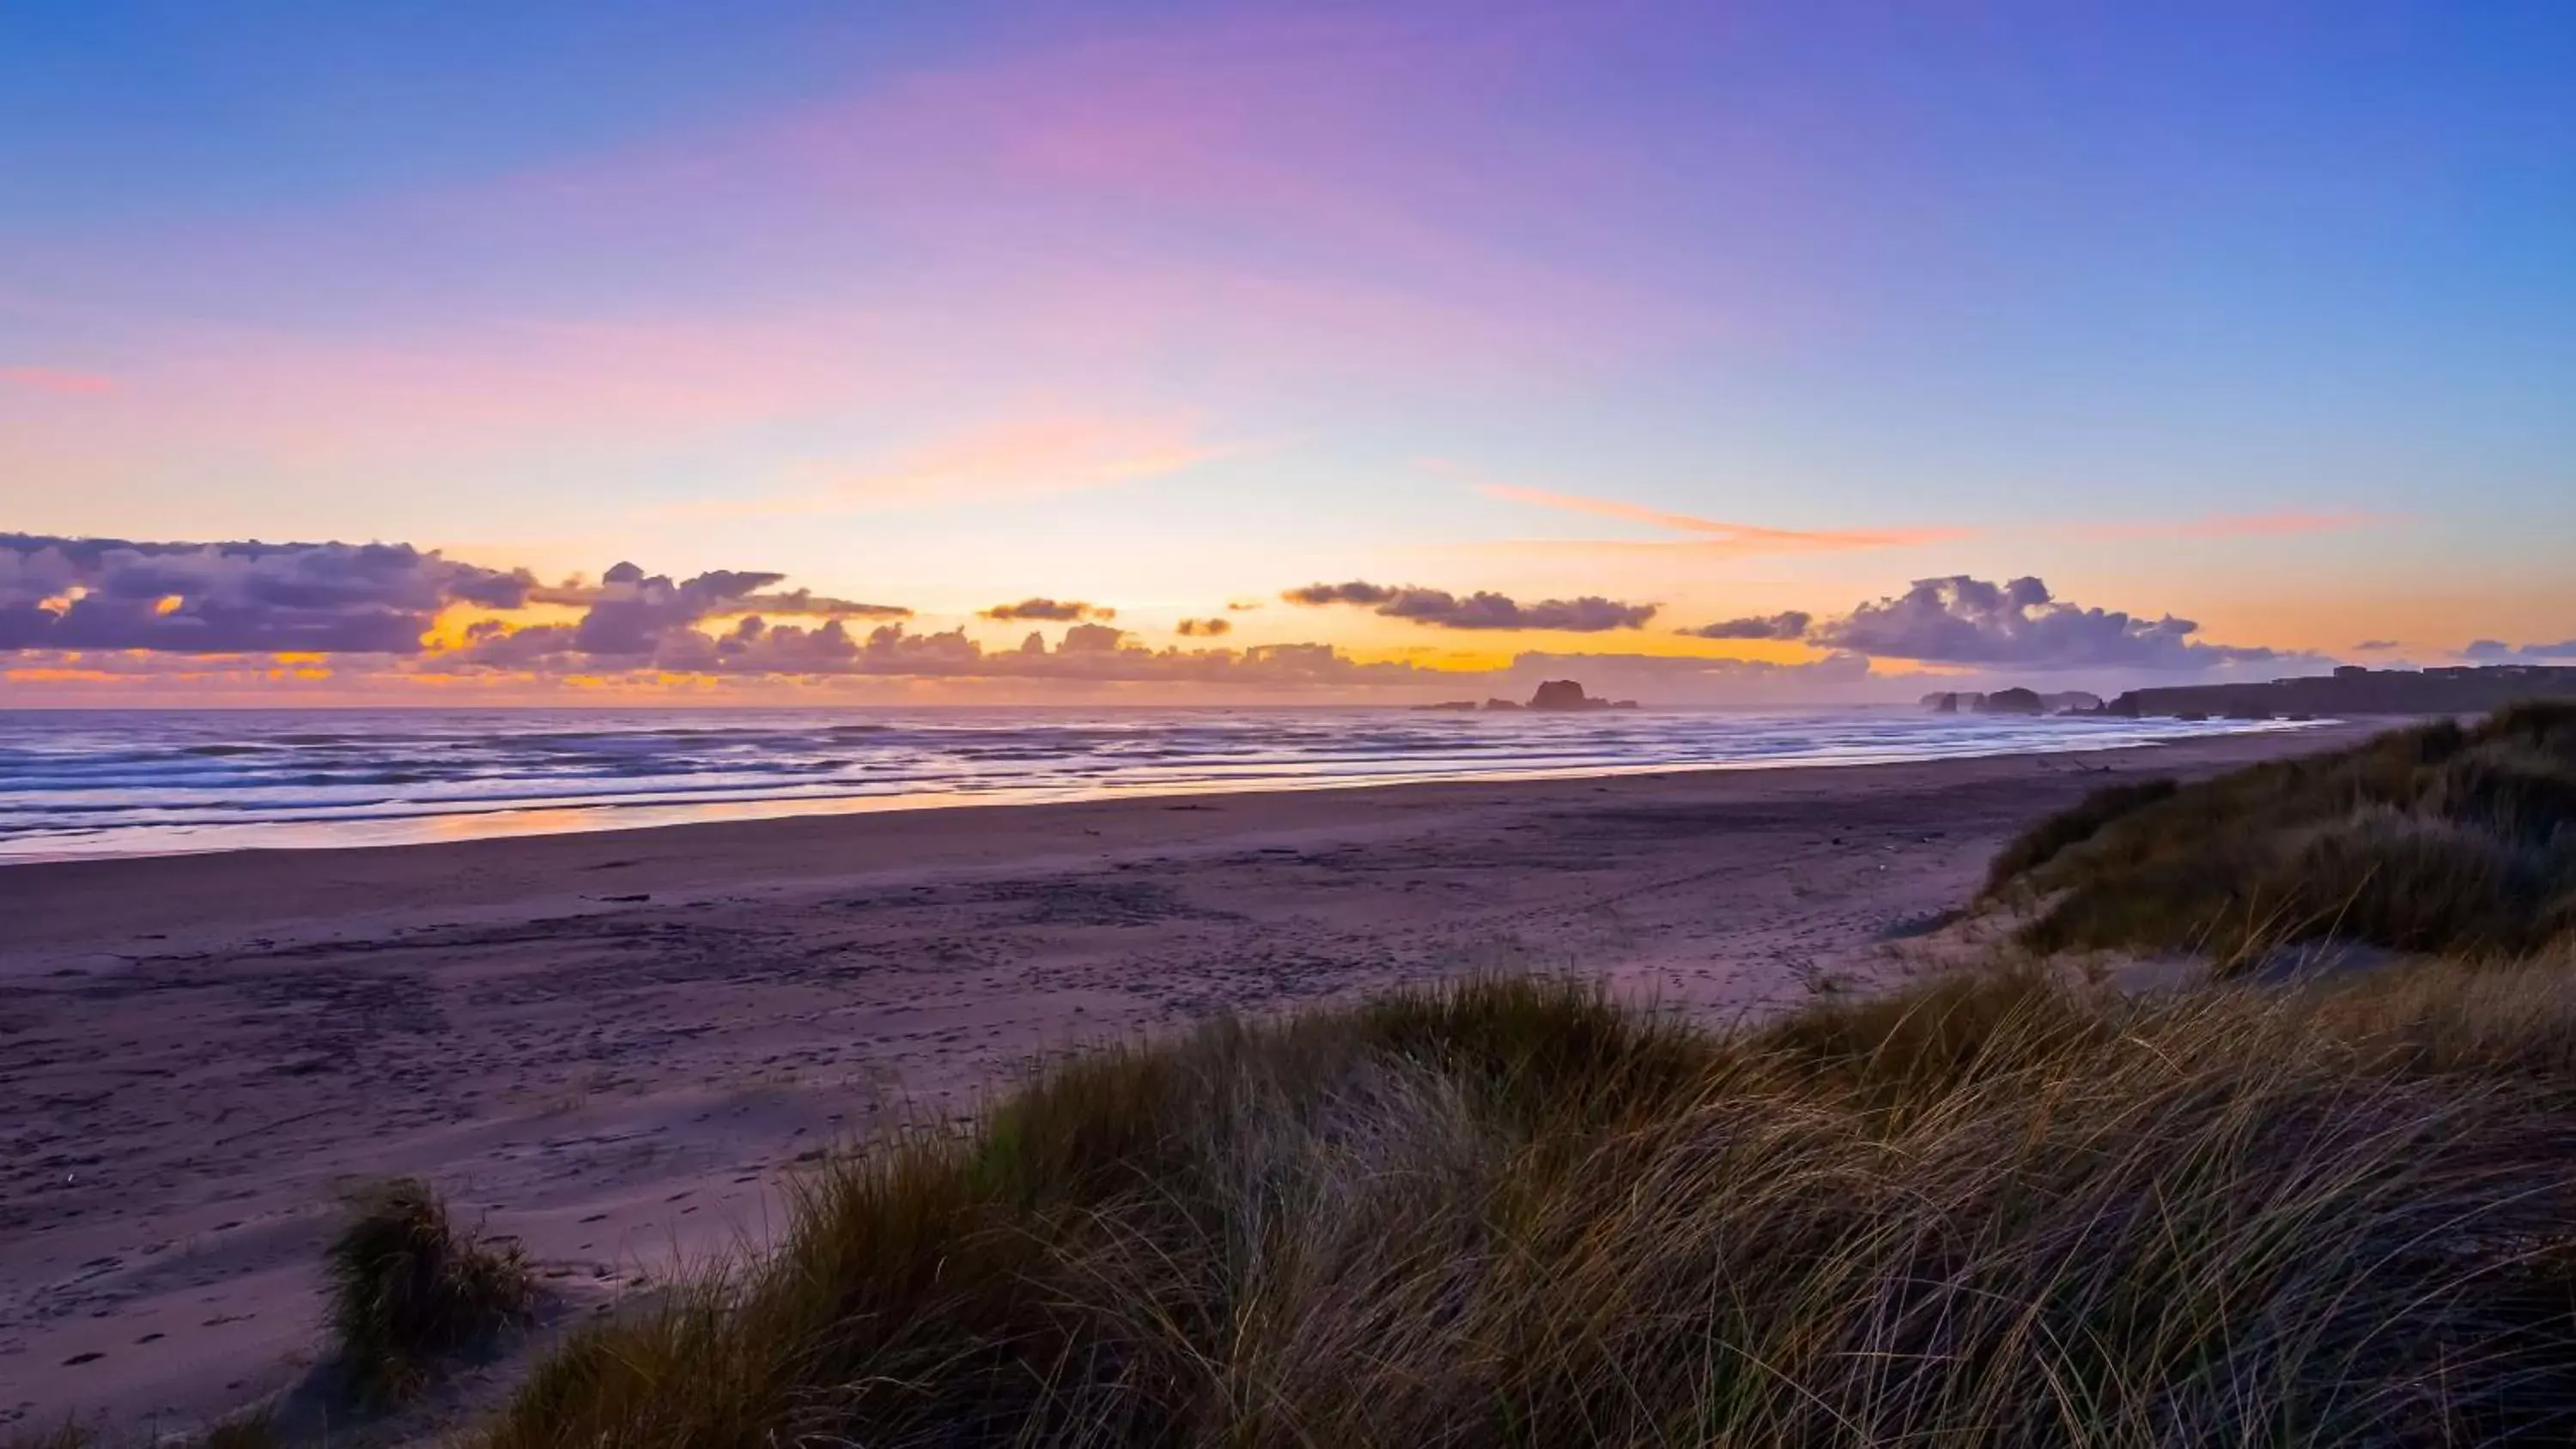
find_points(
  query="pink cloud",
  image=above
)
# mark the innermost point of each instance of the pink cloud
(453, 396)
(1258, 188)
(1293, 194)
(1715, 536)
(1397, 161)
(986, 232)
(1274, 211)
(60, 381)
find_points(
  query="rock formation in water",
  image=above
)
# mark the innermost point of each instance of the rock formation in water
(1567, 694)
(2013, 701)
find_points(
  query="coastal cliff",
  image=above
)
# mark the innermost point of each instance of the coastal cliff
(2350, 690)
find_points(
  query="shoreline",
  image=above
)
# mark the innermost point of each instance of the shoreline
(510, 821)
(50, 892)
(618, 1046)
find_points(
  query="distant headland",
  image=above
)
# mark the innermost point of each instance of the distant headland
(2350, 690)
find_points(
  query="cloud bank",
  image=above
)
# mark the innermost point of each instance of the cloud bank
(2020, 625)
(1962, 620)
(1090, 653)
(1441, 609)
(239, 597)
(2498, 651)
(1791, 624)
(248, 597)
(110, 604)
(635, 618)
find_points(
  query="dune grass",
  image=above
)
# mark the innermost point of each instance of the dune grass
(244, 1431)
(2080, 822)
(2437, 839)
(250, 1431)
(1992, 1210)
(409, 1288)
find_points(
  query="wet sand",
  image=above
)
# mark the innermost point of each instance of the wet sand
(619, 1046)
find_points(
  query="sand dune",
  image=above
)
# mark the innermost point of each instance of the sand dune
(618, 1046)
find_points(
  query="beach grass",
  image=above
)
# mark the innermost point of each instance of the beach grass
(245, 1431)
(408, 1288)
(1996, 1208)
(2439, 838)
(241, 1431)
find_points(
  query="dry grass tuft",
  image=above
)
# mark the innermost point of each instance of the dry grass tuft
(2080, 822)
(1998, 1210)
(408, 1288)
(244, 1431)
(2433, 839)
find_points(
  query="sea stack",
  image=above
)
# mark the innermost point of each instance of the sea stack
(1567, 694)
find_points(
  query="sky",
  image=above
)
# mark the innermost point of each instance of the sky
(1773, 351)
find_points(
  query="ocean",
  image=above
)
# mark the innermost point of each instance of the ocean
(92, 783)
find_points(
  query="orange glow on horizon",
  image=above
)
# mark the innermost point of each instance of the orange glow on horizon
(446, 633)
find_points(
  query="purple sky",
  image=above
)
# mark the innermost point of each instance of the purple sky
(2257, 316)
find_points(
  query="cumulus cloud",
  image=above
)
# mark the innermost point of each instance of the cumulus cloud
(1441, 609)
(1790, 624)
(2498, 651)
(637, 623)
(1092, 639)
(237, 597)
(635, 618)
(633, 610)
(1317, 595)
(1059, 611)
(1203, 628)
(340, 598)
(1962, 620)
